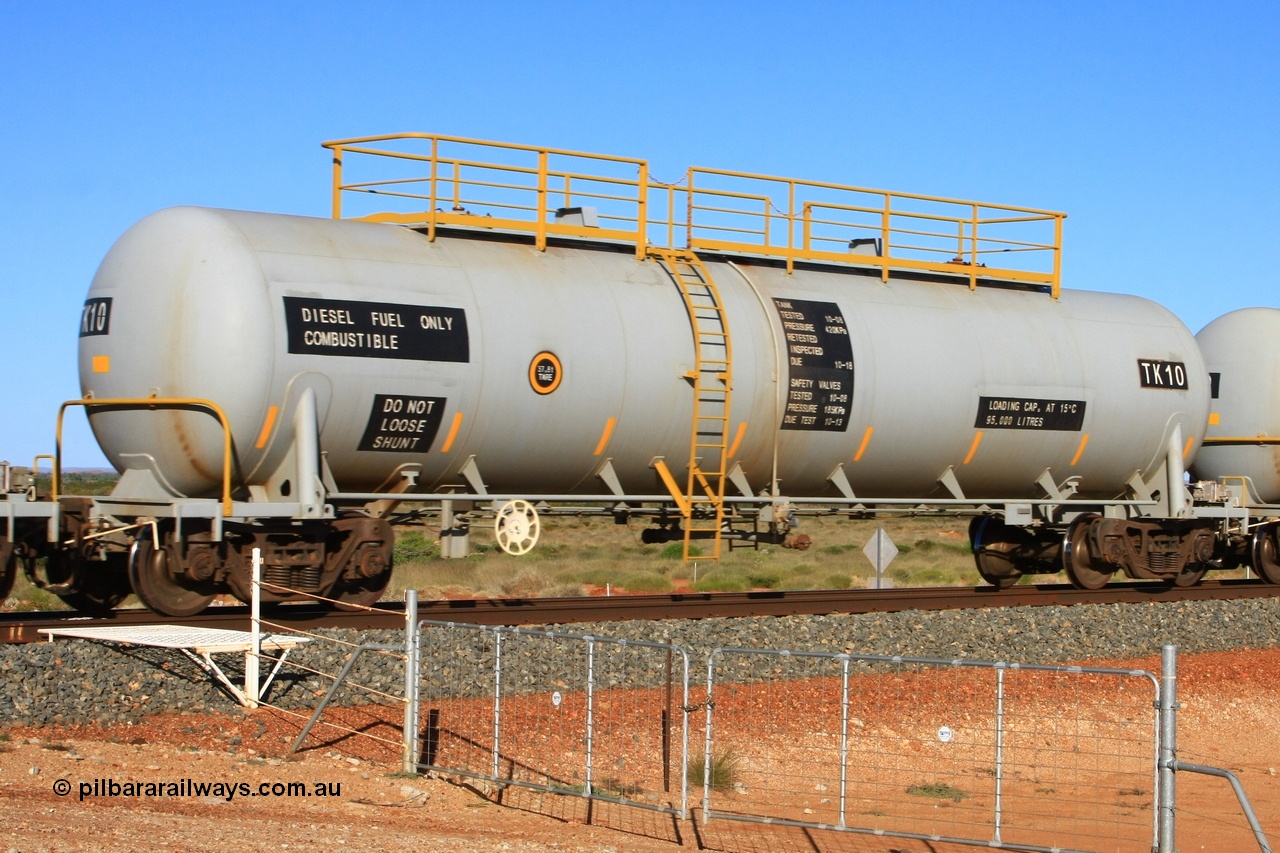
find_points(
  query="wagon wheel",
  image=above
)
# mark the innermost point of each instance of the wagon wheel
(363, 593)
(8, 567)
(516, 527)
(1191, 574)
(995, 571)
(159, 588)
(1198, 565)
(1265, 554)
(1079, 566)
(993, 566)
(102, 587)
(375, 577)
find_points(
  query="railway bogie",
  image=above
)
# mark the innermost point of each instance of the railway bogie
(180, 571)
(1091, 549)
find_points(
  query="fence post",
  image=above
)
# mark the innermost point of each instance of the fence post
(706, 749)
(1168, 746)
(253, 657)
(591, 682)
(999, 816)
(666, 729)
(409, 762)
(497, 699)
(844, 737)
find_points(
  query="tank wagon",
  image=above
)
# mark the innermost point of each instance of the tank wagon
(491, 328)
(1242, 446)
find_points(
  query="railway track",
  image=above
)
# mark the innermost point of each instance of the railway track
(18, 627)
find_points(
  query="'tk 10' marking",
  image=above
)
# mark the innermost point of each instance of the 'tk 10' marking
(1171, 375)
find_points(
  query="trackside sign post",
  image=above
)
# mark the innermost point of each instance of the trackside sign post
(881, 551)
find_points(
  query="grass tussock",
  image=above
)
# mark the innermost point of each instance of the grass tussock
(937, 791)
(722, 770)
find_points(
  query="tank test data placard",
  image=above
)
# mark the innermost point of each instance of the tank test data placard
(376, 329)
(819, 364)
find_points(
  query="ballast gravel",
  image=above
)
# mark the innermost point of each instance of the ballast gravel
(81, 681)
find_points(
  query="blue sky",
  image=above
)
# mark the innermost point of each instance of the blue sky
(1152, 125)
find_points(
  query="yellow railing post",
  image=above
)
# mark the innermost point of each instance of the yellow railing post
(54, 474)
(642, 212)
(671, 217)
(688, 219)
(973, 255)
(433, 201)
(541, 237)
(791, 227)
(768, 220)
(884, 237)
(337, 183)
(1056, 287)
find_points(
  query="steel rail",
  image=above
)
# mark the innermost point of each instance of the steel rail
(18, 627)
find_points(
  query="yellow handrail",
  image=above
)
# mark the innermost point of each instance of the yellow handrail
(35, 469)
(500, 185)
(1259, 440)
(151, 403)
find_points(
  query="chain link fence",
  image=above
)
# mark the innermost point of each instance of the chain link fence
(573, 714)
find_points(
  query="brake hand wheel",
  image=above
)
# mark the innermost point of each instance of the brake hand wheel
(517, 527)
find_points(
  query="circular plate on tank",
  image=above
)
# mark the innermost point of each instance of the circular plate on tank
(545, 373)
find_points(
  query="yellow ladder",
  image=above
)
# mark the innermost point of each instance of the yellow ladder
(712, 378)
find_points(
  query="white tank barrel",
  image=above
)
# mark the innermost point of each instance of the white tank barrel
(540, 365)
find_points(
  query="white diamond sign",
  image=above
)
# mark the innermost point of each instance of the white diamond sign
(880, 550)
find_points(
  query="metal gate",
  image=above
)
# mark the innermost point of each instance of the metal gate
(1037, 757)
